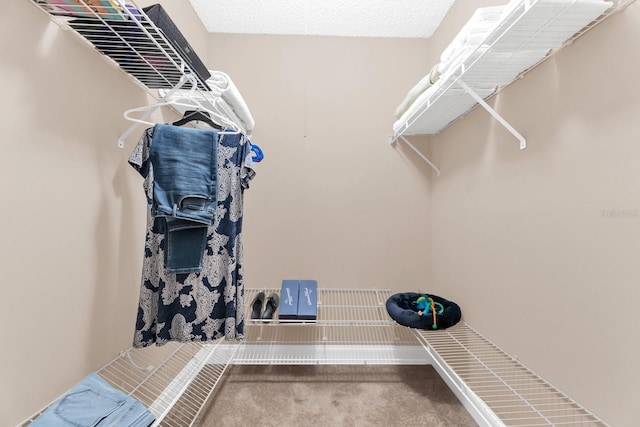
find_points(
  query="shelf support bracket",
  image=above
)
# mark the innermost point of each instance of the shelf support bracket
(406, 141)
(494, 113)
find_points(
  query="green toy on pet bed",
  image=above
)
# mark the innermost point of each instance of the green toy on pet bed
(425, 305)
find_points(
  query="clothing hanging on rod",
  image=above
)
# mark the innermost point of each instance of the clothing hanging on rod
(213, 110)
(224, 97)
(190, 103)
(180, 100)
(192, 287)
(185, 169)
(199, 305)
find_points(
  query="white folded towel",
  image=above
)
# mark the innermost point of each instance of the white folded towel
(424, 84)
(224, 108)
(222, 84)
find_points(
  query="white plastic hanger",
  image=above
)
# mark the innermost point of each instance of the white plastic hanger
(215, 105)
(181, 102)
(189, 101)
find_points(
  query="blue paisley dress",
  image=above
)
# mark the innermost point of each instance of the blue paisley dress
(209, 304)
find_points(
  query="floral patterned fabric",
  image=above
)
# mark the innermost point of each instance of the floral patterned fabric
(207, 305)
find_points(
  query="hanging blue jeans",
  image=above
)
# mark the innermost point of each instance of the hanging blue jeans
(184, 243)
(184, 191)
(184, 172)
(94, 403)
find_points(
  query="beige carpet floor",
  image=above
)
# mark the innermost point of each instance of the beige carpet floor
(322, 395)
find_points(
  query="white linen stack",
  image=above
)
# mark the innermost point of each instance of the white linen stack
(481, 23)
(230, 99)
(491, 50)
(467, 42)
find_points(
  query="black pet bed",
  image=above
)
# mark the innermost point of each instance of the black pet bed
(405, 308)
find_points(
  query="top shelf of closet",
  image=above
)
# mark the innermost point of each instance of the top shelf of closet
(155, 57)
(527, 32)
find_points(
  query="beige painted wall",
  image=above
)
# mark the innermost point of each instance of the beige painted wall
(541, 247)
(72, 216)
(519, 238)
(523, 240)
(333, 200)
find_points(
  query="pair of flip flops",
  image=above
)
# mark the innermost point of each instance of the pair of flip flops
(270, 306)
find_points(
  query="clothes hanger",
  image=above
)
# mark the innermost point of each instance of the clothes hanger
(191, 104)
(183, 80)
(258, 155)
(189, 101)
(196, 115)
(205, 115)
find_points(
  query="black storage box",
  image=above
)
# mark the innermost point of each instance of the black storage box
(162, 20)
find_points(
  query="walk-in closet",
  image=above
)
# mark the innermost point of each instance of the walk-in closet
(452, 187)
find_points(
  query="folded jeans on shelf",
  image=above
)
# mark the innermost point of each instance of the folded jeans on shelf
(94, 403)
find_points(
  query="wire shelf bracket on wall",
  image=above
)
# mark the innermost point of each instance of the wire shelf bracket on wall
(419, 153)
(494, 113)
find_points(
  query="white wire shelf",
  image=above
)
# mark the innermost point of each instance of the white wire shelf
(495, 383)
(348, 307)
(174, 381)
(528, 33)
(330, 354)
(352, 327)
(128, 37)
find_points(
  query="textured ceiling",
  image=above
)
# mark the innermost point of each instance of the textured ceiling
(362, 18)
